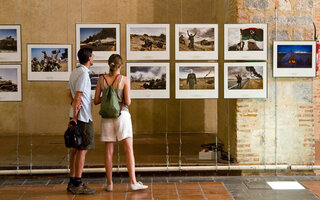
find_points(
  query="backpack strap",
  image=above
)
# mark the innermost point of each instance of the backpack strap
(113, 80)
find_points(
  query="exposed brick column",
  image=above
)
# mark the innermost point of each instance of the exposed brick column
(316, 92)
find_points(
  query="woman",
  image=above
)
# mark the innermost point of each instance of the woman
(113, 129)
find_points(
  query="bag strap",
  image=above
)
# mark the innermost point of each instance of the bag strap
(113, 80)
(120, 79)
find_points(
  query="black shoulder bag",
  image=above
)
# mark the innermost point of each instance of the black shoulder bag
(73, 136)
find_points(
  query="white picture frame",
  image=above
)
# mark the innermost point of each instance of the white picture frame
(149, 80)
(10, 43)
(294, 58)
(245, 42)
(40, 58)
(97, 69)
(10, 78)
(103, 39)
(197, 80)
(250, 84)
(148, 41)
(205, 41)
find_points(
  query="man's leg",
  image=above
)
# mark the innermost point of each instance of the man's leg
(79, 162)
(72, 162)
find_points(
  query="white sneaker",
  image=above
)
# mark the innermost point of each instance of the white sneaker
(138, 186)
(109, 188)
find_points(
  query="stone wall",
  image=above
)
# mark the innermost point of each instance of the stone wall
(278, 129)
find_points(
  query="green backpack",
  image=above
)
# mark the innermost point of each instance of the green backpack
(110, 107)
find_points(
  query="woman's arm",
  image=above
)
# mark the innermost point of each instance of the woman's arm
(126, 89)
(97, 99)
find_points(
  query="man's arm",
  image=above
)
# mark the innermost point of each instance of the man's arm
(69, 96)
(76, 104)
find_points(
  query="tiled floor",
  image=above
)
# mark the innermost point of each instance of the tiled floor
(185, 190)
(189, 187)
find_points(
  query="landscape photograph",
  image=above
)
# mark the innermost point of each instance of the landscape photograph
(49, 59)
(148, 77)
(245, 77)
(98, 39)
(148, 39)
(196, 78)
(8, 80)
(294, 56)
(196, 39)
(8, 40)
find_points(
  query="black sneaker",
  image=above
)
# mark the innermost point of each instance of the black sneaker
(70, 186)
(82, 189)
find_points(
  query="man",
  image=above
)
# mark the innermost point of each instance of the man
(80, 112)
(191, 79)
(239, 80)
(191, 38)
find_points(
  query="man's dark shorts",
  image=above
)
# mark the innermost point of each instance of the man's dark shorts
(88, 135)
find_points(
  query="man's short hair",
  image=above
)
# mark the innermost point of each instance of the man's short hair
(84, 54)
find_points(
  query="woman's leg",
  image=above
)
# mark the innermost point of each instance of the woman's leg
(108, 161)
(128, 149)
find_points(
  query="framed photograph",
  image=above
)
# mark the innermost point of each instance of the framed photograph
(97, 69)
(245, 80)
(103, 39)
(196, 41)
(149, 80)
(49, 62)
(245, 41)
(294, 59)
(10, 83)
(197, 80)
(148, 42)
(10, 43)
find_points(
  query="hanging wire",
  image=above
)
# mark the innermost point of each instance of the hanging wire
(276, 105)
(180, 141)
(17, 109)
(118, 145)
(68, 150)
(180, 136)
(31, 95)
(167, 142)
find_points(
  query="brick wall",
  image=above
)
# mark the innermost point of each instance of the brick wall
(316, 91)
(278, 129)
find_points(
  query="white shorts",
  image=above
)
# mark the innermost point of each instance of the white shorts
(113, 129)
